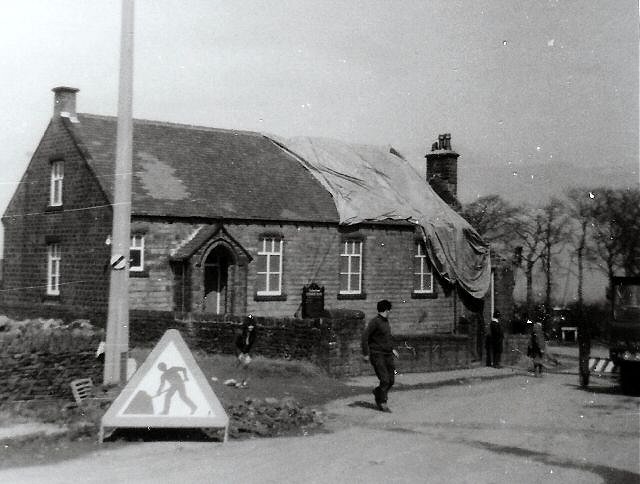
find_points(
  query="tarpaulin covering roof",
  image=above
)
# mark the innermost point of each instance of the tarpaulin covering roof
(191, 171)
(372, 183)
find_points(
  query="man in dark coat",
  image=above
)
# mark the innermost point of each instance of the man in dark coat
(377, 348)
(488, 352)
(497, 336)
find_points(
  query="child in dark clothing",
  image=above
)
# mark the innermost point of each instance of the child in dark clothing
(244, 342)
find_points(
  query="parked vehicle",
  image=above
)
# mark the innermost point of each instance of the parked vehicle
(624, 330)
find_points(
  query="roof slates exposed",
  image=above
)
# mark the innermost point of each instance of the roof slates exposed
(189, 171)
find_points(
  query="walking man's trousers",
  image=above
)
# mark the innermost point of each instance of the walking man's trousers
(384, 367)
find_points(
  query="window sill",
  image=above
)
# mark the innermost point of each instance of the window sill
(139, 274)
(53, 208)
(424, 295)
(265, 297)
(351, 297)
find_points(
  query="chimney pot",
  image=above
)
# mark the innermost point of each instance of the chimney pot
(442, 165)
(64, 101)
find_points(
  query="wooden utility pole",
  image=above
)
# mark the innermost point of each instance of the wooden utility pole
(584, 330)
(117, 344)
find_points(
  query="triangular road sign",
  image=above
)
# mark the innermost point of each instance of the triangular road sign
(168, 390)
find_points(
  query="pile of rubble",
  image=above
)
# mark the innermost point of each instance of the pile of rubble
(271, 417)
(10, 328)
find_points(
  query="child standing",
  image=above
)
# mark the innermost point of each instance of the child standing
(244, 342)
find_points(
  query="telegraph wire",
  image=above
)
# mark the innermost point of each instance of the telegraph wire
(47, 178)
(41, 286)
(64, 210)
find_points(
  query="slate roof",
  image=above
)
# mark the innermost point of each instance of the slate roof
(193, 171)
(201, 236)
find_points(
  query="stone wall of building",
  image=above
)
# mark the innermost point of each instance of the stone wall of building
(80, 226)
(311, 254)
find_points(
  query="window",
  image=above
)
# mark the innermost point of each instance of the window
(422, 271)
(57, 175)
(136, 253)
(270, 267)
(53, 269)
(351, 267)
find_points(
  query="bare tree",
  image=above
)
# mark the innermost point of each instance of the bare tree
(555, 235)
(630, 242)
(580, 208)
(493, 218)
(529, 231)
(616, 230)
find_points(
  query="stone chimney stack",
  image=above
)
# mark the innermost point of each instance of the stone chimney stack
(64, 101)
(442, 167)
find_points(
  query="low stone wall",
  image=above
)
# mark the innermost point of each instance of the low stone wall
(41, 366)
(329, 343)
(147, 327)
(332, 344)
(433, 353)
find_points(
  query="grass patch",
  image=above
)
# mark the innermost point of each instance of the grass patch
(259, 366)
(267, 378)
(284, 368)
(279, 400)
(270, 378)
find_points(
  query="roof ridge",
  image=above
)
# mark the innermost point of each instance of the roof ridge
(176, 125)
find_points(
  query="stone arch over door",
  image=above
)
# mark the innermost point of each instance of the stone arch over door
(218, 271)
(214, 272)
(223, 278)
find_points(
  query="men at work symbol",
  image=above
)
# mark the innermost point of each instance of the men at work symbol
(175, 377)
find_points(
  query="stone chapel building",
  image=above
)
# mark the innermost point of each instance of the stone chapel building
(223, 222)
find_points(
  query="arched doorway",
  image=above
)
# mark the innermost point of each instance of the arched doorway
(216, 280)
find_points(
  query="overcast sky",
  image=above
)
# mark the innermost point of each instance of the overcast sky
(536, 94)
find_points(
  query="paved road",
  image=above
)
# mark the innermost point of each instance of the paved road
(505, 430)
